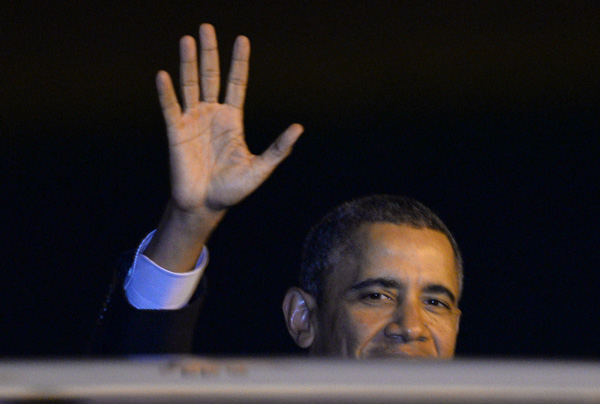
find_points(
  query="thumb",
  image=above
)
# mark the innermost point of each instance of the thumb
(280, 148)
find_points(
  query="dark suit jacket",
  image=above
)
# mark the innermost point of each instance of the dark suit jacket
(122, 329)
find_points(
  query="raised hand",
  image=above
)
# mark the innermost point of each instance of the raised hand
(210, 163)
(211, 166)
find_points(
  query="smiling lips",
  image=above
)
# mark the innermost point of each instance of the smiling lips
(401, 352)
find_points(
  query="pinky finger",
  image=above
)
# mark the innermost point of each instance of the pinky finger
(167, 98)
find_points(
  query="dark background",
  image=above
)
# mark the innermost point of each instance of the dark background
(488, 112)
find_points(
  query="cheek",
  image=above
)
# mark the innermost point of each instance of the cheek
(350, 330)
(444, 331)
(365, 324)
(364, 319)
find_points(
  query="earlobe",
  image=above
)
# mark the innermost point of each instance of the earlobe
(297, 310)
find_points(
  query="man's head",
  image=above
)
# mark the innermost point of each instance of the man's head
(380, 276)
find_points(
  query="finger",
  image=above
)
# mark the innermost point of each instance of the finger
(238, 73)
(188, 71)
(280, 148)
(167, 98)
(209, 63)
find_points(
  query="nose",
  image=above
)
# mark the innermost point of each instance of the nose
(407, 325)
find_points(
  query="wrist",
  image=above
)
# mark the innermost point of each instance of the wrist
(181, 236)
(199, 222)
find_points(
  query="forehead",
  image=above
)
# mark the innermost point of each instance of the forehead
(412, 256)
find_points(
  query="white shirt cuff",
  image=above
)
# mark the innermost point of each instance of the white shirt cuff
(151, 287)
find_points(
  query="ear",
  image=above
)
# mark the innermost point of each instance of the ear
(298, 310)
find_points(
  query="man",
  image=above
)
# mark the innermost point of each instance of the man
(381, 276)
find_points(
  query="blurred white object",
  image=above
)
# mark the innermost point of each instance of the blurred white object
(188, 379)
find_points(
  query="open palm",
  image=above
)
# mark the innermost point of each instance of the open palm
(211, 166)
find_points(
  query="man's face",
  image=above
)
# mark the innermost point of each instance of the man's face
(395, 296)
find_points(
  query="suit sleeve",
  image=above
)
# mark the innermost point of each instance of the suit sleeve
(122, 329)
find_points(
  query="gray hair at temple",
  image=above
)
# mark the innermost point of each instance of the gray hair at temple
(333, 233)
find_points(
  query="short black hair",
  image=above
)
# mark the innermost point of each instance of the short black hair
(336, 228)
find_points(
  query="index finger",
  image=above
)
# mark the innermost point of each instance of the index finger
(238, 73)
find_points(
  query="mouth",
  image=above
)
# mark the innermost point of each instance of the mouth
(390, 353)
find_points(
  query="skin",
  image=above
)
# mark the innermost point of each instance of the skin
(211, 166)
(396, 297)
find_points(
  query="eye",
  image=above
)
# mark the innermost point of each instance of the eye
(375, 297)
(437, 303)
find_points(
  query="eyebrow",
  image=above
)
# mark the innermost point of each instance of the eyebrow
(441, 289)
(385, 282)
(394, 284)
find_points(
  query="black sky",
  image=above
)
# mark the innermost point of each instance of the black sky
(488, 112)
